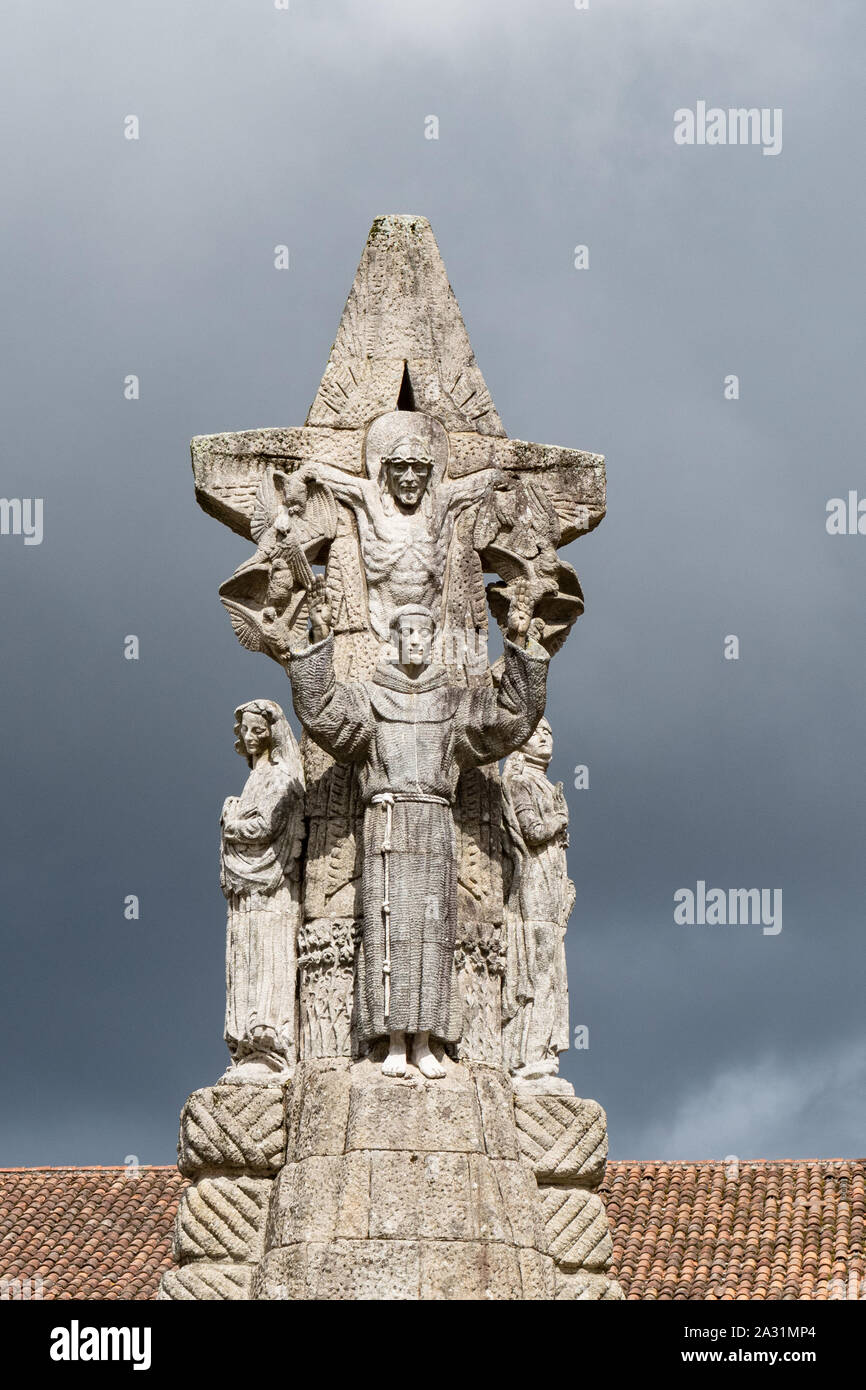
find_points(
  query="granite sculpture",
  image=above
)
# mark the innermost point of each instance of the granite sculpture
(410, 733)
(417, 1143)
(262, 833)
(538, 904)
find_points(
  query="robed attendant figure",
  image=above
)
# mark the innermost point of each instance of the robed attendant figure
(262, 834)
(411, 733)
(537, 909)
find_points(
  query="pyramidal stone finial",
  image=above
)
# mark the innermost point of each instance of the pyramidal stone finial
(402, 330)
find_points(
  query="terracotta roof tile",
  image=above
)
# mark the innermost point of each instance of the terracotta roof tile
(767, 1229)
(87, 1232)
(777, 1229)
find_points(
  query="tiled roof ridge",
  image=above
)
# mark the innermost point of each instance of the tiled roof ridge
(612, 1162)
(90, 1168)
(712, 1162)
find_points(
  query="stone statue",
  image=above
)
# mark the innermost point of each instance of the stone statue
(405, 487)
(538, 906)
(411, 734)
(388, 530)
(293, 517)
(262, 834)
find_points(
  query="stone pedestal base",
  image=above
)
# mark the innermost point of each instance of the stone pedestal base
(351, 1185)
(403, 1189)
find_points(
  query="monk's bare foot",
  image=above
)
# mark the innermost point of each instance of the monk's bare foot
(395, 1063)
(424, 1059)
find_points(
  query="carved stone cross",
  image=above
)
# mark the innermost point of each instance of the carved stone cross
(402, 347)
(394, 908)
(405, 485)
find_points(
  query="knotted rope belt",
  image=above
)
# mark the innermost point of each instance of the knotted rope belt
(387, 801)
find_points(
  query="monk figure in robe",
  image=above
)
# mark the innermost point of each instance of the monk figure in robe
(410, 734)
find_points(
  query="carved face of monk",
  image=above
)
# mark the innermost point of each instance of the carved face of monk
(414, 638)
(255, 732)
(540, 744)
(408, 472)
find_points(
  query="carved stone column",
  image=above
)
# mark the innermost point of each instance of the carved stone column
(564, 1138)
(232, 1144)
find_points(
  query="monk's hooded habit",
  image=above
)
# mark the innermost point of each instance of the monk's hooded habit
(410, 740)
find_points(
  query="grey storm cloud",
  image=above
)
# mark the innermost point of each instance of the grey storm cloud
(155, 257)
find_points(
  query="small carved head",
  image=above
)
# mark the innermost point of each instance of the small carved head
(408, 467)
(253, 734)
(539, 745)
(412, 629)
(261, 726)
(294, 493)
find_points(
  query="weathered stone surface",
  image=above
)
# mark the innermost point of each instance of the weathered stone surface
(207, 1282)
(537, 1275)
(547, 1085)
(342, 1269)
(222, 1219)
(463, 1270)
(319, 1109)
(497, 1111)
(229, 468)
(478, 954)
(322, 1198)
(582, 1286)
(401, 378)
(403, 1269)
(425, 1195)
(577, 1229)
(520, 1197)
(326, 945)
(453, 1217)
(401, 312)
(490, 1217)
(389, 1113)
(240, 1128)
(410, 769)
(563, 1137)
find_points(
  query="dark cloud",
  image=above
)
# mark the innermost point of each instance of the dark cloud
(155, 257)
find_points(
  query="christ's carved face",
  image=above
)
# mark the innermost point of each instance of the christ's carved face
(255, 732)
(408, 474)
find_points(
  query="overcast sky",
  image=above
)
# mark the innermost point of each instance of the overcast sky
(155, 257)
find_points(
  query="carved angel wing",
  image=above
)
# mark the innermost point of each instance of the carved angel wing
(321, 510)
(264, 509)
(506, 563)
(539, 498)
(556, 613)
(495, 513)
(246, 631)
